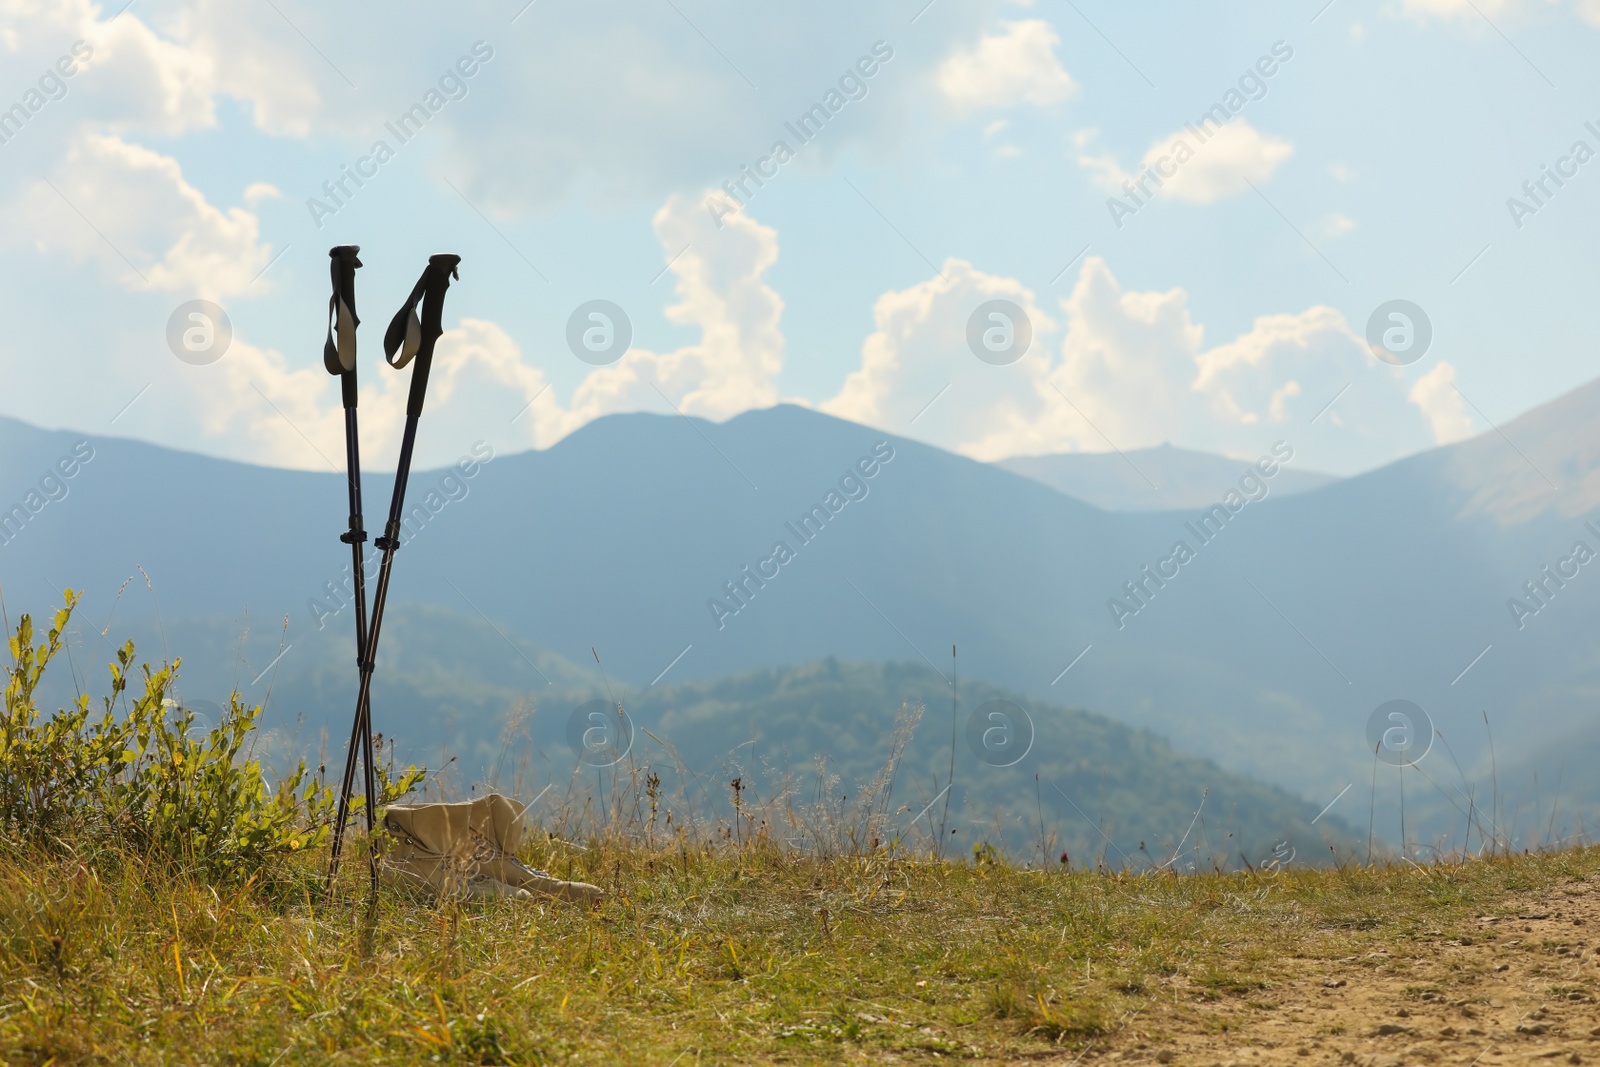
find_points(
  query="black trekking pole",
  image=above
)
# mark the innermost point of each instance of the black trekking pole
(408, 337)
(339, 357)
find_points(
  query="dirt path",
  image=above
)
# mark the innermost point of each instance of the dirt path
(1521, 988)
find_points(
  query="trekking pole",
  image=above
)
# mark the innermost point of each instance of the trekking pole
(339, 357)
(406, 339)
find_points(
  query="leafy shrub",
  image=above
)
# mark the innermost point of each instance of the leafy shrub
(144, 779)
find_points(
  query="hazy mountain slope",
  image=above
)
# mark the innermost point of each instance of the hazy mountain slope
(452, 691)
(1267, 651)
(1150, 479)
(1545, 461)
(1132, 785)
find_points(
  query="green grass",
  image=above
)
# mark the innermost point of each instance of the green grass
(699, 955)
(161, 903)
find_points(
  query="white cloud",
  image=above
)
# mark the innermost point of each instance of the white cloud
(1128, 363)
(259, 408)
(129, 209)
(1014, 66)
(919, 347)
(480, 383)
(271, 413)
(1247, 381)
(1335, 225)
(1226, 163)
(1435, 394)
(115, 203)
(1138, 366)
(135, 78)
(1462, 9)
(720, 290)
(1133, 371)
(1181, 167)
(256, 55)
(659, 111)
(268, 411)
(1478, 10)
(1104, 169)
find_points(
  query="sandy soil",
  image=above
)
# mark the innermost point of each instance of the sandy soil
(1520, 989)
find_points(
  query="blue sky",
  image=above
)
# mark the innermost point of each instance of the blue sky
(581, 159)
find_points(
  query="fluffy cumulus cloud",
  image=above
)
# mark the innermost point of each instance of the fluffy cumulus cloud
(129, 210)
(917, 373)
(1182, 167)
(260, 58)
(621, 103)
(1013, 66)
(1335, 225)
(732, 366)
(649, 102)
(1435, 393)
(638, 108)
(483, 386)
(1232, 158)
(85, 191)
(720, 291)
(254, 405)
(83, 187)
(1112, 368)
(1132, 370)
(1459, 8)
(1478, 10)
(257, 407)
(131, 76)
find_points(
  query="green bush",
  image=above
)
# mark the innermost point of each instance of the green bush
(143, 779)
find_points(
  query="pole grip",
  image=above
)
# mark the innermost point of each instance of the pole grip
(338, 351)
(436, 282)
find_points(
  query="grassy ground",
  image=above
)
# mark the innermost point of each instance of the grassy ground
(733, 956)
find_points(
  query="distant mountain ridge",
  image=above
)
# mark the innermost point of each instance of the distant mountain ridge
(1268, 652)
(1164, 478)
(459, 694)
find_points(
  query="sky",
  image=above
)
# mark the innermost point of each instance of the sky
(1189, 214)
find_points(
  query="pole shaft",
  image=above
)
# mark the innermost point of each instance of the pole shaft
(360, 736)
(362, 728)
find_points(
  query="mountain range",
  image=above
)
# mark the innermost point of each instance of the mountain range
(683, 551)
(809, 744)
(1165, 478)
